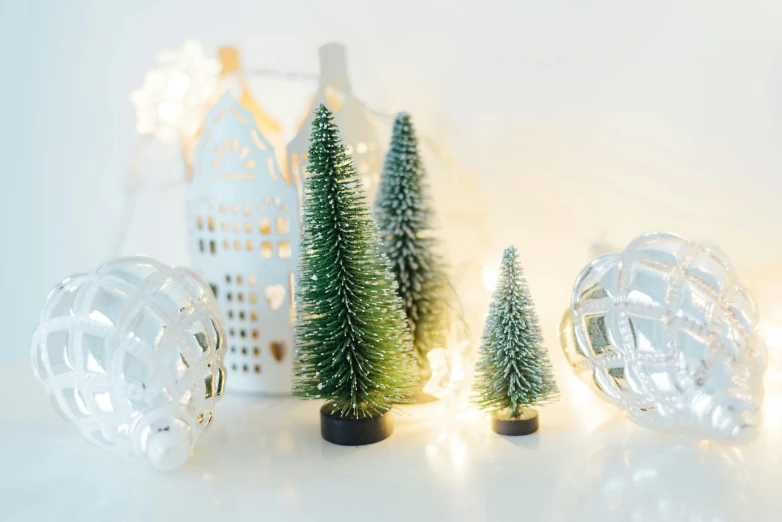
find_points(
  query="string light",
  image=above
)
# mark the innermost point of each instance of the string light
(774, 336)
(171, 102)
(766, 288)
(489, 276)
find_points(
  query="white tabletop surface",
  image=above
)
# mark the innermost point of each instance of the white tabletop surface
(264, 460)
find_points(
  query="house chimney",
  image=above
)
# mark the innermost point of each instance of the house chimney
(333, 67)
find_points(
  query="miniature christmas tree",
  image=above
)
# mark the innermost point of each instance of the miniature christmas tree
(353, 346)
(513, 371)
(404, 214)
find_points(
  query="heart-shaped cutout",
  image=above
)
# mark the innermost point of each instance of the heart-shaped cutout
(275, 295)
(278, 351)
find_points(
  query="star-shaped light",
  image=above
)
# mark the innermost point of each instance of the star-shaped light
(171, 102)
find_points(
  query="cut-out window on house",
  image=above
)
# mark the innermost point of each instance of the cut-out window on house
(248, 227)
(211, 222)
(265, 226)
(234, 209)
(270, 166)
(283, 226)
(266, 250)
(237, 245)
(252, 297)
(278, 350)
(284, 250)
(200, 222)
(236, 227)
(212, 247)
(249, 246)
(251, 280)
(223, 208)
(247, 210)
(201, 245)
(224, 226)
(239, 279)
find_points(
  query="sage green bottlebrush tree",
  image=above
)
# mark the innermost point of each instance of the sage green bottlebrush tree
(353, 346)
(404, 213)
(513, 371)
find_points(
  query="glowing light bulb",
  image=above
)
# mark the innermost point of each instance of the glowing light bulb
(169, 111)
(458, 368)
(490, 276)
(766, 289)
(178, 86)
(774, 336)
(169, 105)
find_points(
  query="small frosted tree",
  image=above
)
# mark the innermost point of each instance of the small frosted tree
(404, 214)
(513, 371)
(353, 346)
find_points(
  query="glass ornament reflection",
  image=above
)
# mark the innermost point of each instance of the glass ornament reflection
(618, 473)
(132, 355)
(666, 331)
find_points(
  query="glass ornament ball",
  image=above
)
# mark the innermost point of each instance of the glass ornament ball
(666, 331)
(131, 354)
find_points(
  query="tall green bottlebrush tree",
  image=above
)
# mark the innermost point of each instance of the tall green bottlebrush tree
(513, 371)
(404, 214)
(353, 346)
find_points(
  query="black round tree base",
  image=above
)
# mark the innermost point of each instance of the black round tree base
(524, 424)
(354, 432)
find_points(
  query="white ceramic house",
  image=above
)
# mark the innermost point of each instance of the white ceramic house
(357, 126)
(243, 220)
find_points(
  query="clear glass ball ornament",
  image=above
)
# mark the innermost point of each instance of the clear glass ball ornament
(132, 355)
(666, 331)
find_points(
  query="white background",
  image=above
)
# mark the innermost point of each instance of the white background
(579, 120)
